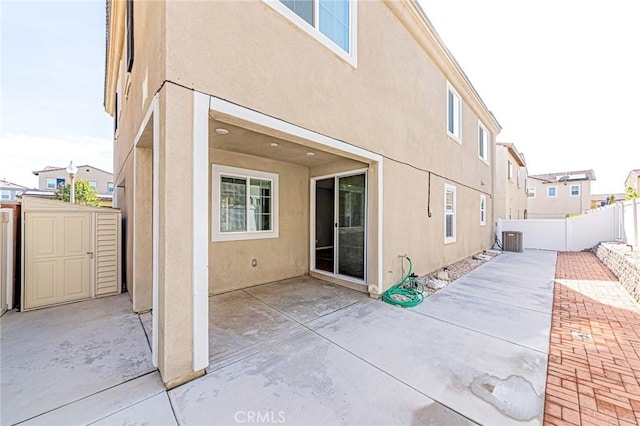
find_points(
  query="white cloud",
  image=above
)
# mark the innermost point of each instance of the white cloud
(23, 153)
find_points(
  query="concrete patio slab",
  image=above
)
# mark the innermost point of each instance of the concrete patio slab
(486, 379)
(103, 404)
(507, 322)
(540, 301)
(238, 321)
(300, 351)
(510, 298)
(518, 278)
(305, 298)
(305, 380)
(152, 411)
(55, 356)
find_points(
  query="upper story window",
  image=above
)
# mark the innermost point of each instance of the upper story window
(55, 183)
(483, 142)
(110, 186)
(454, 114)
(332, 22)
(5, 194)
(93, 185)
(552, 191)
(575, 190)
(483, 209)
(509, 170)
(245, 204)
(449, 214)
(531, 192)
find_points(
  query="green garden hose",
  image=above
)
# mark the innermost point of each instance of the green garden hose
(407, 293)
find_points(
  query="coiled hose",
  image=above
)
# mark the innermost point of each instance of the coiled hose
(407, 293)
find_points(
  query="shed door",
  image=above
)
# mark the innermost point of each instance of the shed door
(58, 258)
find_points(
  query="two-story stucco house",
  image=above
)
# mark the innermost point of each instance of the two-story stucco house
(50, 178)
(558, 195)
(511, 183)
(261, 140)
(10, 191)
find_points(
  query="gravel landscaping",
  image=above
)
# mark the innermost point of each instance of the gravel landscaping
(442, 277)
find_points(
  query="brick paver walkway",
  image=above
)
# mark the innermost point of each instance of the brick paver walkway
(593, 376)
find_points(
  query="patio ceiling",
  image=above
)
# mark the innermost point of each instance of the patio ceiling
(249, 142)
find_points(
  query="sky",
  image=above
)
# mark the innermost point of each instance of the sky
(51, 88)
(561, 76)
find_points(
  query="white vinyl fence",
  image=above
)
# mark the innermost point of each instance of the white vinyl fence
(618, 222)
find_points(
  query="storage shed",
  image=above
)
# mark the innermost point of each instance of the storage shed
(70, 252)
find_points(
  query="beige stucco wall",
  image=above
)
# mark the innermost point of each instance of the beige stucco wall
(145, 80)
(277, 258)
(393, 103)
(510, 194)
(357, 105)
(544, 207)
(136, 95)
(409, 230)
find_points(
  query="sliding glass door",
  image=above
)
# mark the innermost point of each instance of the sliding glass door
(341, 225)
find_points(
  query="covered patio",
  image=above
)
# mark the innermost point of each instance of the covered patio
(245, 199)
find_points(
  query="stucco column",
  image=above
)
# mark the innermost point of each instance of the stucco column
(141, 224)
(180, 234)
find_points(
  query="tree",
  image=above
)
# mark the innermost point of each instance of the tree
(83, 192)
(631, 193)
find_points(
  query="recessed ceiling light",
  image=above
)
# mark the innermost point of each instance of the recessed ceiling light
(221, 131)
(274, 144)
(311, 154)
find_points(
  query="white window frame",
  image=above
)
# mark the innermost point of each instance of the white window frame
(457, 117)
(94, 186)
(485, 142)
(4, 192)
(483, 210)
(54, 183)
(350, 57)
(451, 239)
(509, 170)
(217, 172)
(531, 192)
(110, 187)
(556, 192)
(571, 190)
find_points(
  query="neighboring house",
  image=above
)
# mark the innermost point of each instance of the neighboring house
(10, 191)
(633, 180)
(511, 183)
(50, 178)
(599, 200)
(253, 143)
(558, 195)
